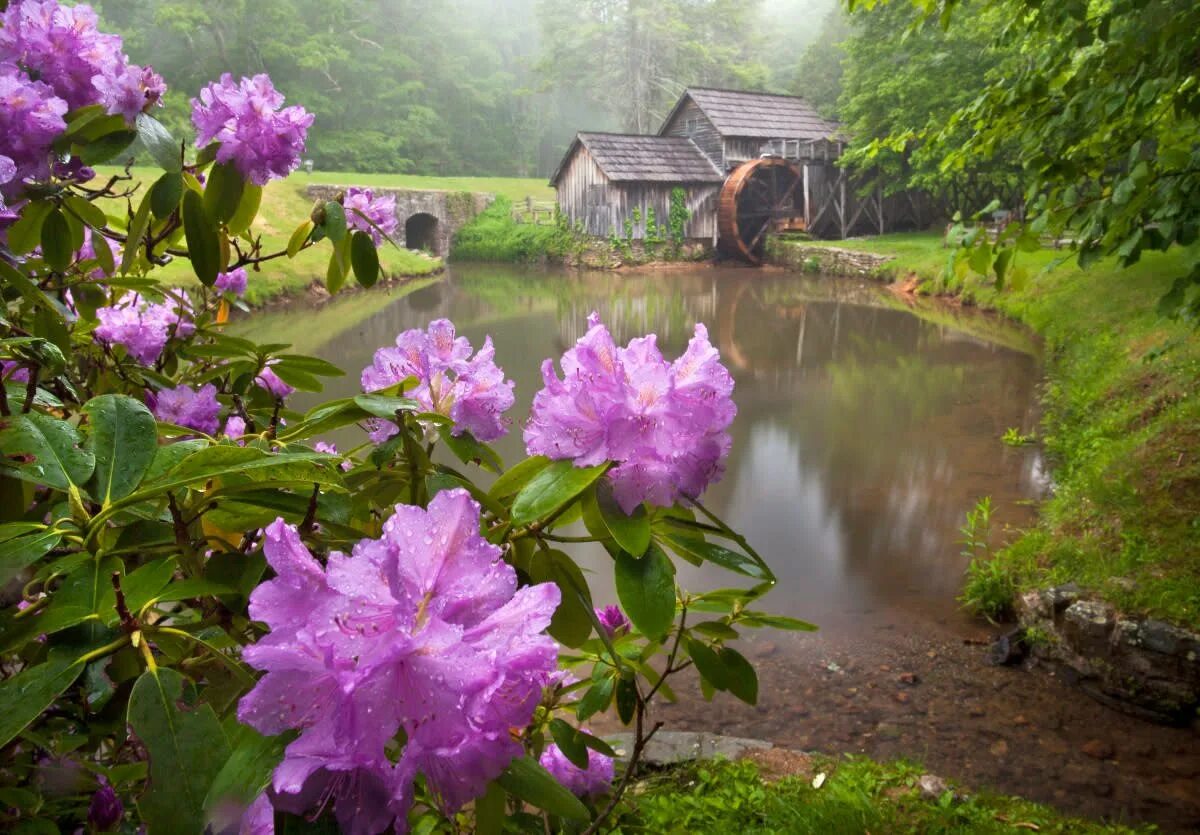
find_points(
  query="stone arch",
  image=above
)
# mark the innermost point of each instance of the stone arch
(421, 232)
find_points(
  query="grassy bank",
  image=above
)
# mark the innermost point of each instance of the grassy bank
(285, 206)
(1121, 427)
(493, 235)
(855, 796)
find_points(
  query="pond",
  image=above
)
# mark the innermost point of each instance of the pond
(866, 430)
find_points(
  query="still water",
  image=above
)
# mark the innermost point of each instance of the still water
(866, 430)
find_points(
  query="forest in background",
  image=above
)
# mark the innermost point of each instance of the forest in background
(467, 87)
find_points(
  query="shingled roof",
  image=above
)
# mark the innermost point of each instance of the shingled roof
(629, 158)
(764, 115)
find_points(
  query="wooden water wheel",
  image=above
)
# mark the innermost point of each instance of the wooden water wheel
(757, 194)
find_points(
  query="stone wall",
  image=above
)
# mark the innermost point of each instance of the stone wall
(451, 209)
(828, 260)
(1141, 666)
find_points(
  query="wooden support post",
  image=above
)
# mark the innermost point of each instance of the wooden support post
(879, 203)
(807, 209)
(842, 201)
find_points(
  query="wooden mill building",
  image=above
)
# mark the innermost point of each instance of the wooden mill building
(747, 162)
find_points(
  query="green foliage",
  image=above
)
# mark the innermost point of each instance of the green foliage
(1014, 437)
(678, 215)
(493, 235)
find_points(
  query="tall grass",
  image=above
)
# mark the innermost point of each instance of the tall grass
(493, 235)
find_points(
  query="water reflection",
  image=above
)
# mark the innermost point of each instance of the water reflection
(864, 432)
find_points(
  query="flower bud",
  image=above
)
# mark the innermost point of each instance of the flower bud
(106, 810)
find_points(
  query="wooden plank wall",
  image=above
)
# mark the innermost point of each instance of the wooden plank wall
(705, 134)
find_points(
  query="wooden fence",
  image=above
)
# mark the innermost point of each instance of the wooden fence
(539, 212)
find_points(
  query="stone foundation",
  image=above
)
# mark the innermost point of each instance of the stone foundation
(828, 260)
(1141, 666)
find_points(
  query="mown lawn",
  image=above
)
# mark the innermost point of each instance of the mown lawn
(1121, 426)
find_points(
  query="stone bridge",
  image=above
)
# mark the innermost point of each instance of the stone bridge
(428, 218)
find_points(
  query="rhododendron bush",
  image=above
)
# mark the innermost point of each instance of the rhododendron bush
(211, 619)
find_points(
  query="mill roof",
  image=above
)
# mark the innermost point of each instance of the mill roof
(758, 115)
(637, 158)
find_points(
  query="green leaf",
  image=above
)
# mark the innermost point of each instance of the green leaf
(22, 551)
(299, 238)
(246, 462)
(124, 440)
(632, 531)
(626, 700)
(335, 221)
(187, 749)
(490, 811)
(108, 146)
(166, 152)
(86, 211)
(26, 233)
(550, 489)
(571, 624)
(694, 547)
(516, 477)
(335, 273)
(247, 772)
(166, 193)
(44, 450)
(646, 589)
(385, 406)
(27, 694)
(247, 209)
(762, 619)
(740, 675)
(470, 451)
(596, 699)
(570, 742)
(708, 664)
(223, 191)
(85, 594)
(204, 247)
(364, 259)
(137, 231)
(56, 241)
(526, 779)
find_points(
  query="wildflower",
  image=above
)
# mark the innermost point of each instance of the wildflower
(664, 424)
(269, 380)
(184, 406)
(233, 282)
(235, 427)
(380, 211)
(144, 328)
(262, 138)
(31, 116)
(470, 390)
(422, 631)
(331, 449)
(106, 810)
(613, 620)
(595, 779)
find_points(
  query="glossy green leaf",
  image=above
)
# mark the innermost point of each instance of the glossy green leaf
(526, 779)
(570, 742)
(223, 191)
(708, 664)
(646, 589)
(490, 811)
(335, 272)
(470, 451)
(596, 699)
(626, 699)
(740, 676)
(571, 624)
(364, 259)
(26, 695)
(692, 546)
(124, 441)
(335, 221)
(550, 489)
(26, 232)
(246, 774)
(163, 148)
(517, 476)
(22, 551)
(56, 241)
(44, 450)
(186, 745)
(106, 147)
(204, 247)
(86, 211)
(137, 232)
(385, 406)
(630, 531)
(245, 462)
(762, 619)
(84, 596)
(299, 238)
(247, 209)
(166, 193)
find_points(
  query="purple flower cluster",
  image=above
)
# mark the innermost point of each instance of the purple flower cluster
(262, 138)
(8, 173)
(664, 424)
(613, 620)
(143, 328)
(233, 282)
(270, 381)
(381, 212)
(595, 779)
(422, 631)
(53, 59)
(470, 390)
(184, 406)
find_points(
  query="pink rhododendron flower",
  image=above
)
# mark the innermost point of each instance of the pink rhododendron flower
(269, 380)
(260, 136)
(422, 630)
(595, 779)
(470, 390)
(664, 424)
(184, 406)
(233, 282)
(144, 328)
(380, 210)
(613, 620)
(31, 116)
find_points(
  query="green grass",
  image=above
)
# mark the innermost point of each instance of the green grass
(493, 235)
(1121, 424)
(285, 206)
(857, 796)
